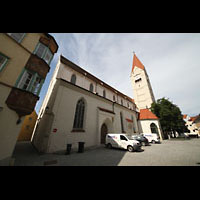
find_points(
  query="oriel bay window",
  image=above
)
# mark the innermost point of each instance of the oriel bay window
(30, 81)
(43, 52)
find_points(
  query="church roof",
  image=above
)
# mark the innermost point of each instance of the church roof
(92, 77)
(193, 118)
(184, 116)
(137, 62)
(146, 114)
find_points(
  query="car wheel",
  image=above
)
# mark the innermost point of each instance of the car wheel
(153, 141)
(143, 143)
(109, 146)
(130, 148)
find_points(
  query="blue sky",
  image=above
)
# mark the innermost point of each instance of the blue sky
(172, 61)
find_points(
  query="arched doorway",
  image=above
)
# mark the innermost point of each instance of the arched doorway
(154, 128)
(104, 131)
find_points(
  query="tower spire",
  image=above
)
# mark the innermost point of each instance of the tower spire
(136, 62)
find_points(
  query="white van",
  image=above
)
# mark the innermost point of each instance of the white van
(122, 141)
(152, 137)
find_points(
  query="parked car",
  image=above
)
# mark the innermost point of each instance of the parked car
(193, 135)
(152, 137)
(123, 141)
(143, 140)
(184, 135)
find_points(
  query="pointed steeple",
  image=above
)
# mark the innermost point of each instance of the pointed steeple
(137, 62)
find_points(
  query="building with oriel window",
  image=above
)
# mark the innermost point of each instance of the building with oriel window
(24, 63)
(79, 107)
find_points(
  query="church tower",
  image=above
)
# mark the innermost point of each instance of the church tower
(143, 93)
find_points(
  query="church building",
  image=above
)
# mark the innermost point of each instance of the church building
(79, 107)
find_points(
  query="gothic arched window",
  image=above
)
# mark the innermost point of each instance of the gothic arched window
(79, 115)
(73, 79)
(91, 87)
(104, 93)
(154, 128)
(122, 124)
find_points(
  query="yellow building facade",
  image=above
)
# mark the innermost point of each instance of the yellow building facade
(27, 127)
(24, 63)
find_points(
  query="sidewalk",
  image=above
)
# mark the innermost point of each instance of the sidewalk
(168, 153)
(25, 155)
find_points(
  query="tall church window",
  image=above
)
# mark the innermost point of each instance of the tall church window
(104, 93)
(113, 97)
(121, 102)
(73, 79)
(79, 115)
(122, 125)
(91, 87)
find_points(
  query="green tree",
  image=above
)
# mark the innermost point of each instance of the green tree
(170, 116)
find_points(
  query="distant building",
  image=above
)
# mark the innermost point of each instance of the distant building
(24, 63)
(193, 124)
(27, 127)
(197, 122)
(79, 107)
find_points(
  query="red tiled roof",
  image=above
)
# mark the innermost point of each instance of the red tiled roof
(146, 114)
(137, 62)
(184, 116)
(192, 118)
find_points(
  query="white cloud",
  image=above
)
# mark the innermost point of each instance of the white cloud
(171, 61)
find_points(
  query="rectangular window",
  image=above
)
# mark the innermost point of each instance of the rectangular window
(48, 56)
(17, 36)
(36, 85)
(3, 61)
(25, 81)
(31, 82)
(40, 50)
(43, 52)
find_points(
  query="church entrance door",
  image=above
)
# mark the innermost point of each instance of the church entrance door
(104, 131)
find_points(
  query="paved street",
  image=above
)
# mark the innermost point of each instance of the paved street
(169, 153)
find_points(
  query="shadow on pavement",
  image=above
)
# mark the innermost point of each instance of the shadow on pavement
(25, 155)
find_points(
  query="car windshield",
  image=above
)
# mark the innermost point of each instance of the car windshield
(130, 137)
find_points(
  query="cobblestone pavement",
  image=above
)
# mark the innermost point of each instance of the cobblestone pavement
(168, 153)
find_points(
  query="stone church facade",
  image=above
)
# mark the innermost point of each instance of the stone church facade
(79, 107)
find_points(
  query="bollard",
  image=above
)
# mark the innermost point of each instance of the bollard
(81, 147)
(68, 150)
